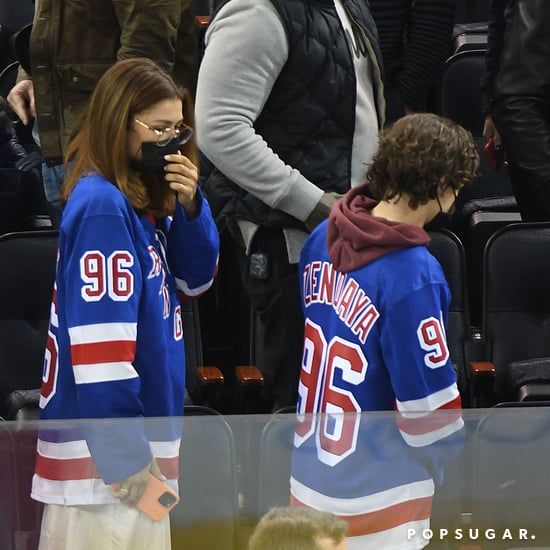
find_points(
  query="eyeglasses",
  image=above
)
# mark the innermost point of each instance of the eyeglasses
(165, 135)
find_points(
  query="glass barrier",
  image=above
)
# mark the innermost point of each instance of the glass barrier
(473, 479)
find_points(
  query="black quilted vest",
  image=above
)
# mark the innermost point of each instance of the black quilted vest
(309, 118)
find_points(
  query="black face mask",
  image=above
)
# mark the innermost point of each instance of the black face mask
(152, 155)
(441, 220)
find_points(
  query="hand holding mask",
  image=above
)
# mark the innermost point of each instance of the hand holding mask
(153, 152)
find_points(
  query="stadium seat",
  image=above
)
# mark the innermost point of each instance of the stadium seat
(249, 381)
(27, 273)
(460, 100)
(469, 36)
(23, 405)
(488, 203)
(471, 11)
(460, 93)
(20, 516)
(13, 17)
(273, 486)
(204, 383)
(203, 12)
(479, 219)
(204, 7)
(510, 482)
(515, 317)
(207, 384)
(208, 513)
(448, 250)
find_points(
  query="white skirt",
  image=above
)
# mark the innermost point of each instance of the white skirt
(101, 527)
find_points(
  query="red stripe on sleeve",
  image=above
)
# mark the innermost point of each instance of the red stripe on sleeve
(169, 467)
(114, 351)
(432, 421)
(66, 469)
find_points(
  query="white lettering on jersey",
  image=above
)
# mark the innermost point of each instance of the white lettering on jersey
(50, 370)
(165, 295)
(92, 272)
(178, 325)
(322, 284)
(120, 279)
(159, 269)
(111, 276)
(157, 263)
(50, 367)
(320, 392)
(431, 337)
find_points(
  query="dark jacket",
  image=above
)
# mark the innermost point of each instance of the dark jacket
(521, 106)
(21, 195)
(415, 40)
(73, 43)
(10, 148)
(501, 13)
(309, 118)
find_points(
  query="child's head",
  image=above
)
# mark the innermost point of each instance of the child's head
(419, 156)
(299, 528)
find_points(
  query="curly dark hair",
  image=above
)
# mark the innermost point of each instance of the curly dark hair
(419, 155)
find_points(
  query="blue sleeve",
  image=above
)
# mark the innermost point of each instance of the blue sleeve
(193, 248)
(416, 351)
(447, 437)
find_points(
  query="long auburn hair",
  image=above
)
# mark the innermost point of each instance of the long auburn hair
(127, 88)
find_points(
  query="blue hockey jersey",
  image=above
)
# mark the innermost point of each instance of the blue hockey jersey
(375, 303)
(366, 469)
(115, 343)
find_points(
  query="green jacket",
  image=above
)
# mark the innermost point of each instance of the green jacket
(73, 42)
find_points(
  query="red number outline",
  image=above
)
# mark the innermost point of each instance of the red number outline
(335, 432)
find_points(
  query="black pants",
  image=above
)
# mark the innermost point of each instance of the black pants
(279, 329)
(533, 202)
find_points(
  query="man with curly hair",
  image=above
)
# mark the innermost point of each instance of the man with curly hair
(369, 284)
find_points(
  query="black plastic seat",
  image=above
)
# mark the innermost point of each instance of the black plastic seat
(27, 273)
(516, 314)
(448, 250)
(208, 513)
(509, 477)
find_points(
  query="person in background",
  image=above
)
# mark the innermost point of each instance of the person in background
(415, 39)
(67, 49)
(501, 13)
(21, 196)
(298, 528)
(520, 108)
(136, 236)
(289, 104)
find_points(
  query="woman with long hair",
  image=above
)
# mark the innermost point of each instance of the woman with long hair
(136, 234)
